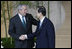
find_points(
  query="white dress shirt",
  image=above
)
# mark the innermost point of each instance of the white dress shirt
(41, 21)
(21, 17)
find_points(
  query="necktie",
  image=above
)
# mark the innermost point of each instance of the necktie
(24, 24)
(39, 24)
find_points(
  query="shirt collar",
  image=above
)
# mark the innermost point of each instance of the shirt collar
(42, 19)
(20, 15)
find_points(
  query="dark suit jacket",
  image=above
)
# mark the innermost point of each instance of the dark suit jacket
(16, 29)
(45, 35)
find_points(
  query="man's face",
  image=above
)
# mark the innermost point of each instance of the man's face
(38, 15)
(23, 11)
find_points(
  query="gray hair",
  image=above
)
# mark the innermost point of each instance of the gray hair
(20, 6)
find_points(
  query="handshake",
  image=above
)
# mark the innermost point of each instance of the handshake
(23, 37)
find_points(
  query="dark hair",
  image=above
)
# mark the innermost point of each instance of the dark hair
(41, 9)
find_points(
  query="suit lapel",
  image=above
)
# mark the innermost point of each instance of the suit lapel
(19, 21)
(26, 22)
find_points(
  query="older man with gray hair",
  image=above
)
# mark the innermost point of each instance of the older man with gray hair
(21, 24)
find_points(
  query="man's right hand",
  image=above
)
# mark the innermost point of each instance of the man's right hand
(22, 37)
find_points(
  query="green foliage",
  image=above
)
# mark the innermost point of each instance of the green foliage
(26, 2)
(35, 39)
(7, 44)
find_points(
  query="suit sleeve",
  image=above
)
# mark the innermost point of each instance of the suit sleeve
(34, 21)
(11, 30)
(32, 35)
(51, 35)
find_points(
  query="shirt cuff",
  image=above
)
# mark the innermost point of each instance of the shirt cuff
(26, 36)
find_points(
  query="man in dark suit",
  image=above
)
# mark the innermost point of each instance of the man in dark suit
(21, 24)
(45, 32)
